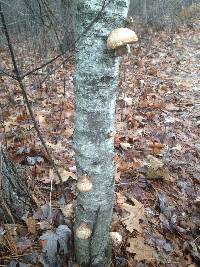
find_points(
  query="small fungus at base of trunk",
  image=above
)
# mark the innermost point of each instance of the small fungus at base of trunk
(116, 238)
(83, 231)
(84, 184)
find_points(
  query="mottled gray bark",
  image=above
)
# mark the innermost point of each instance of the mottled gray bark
(97, 74)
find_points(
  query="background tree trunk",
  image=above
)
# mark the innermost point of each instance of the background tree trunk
(96, 83)
(68, 11)
(15, 197)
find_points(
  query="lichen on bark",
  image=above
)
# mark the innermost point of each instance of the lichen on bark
(97, 72)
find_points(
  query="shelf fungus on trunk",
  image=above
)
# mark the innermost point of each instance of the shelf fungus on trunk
(120, 39)
(83, 231)
(84, 184)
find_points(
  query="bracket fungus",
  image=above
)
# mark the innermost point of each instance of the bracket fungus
(116, 238)
(84, 184)
(120, 39)
(83, 231)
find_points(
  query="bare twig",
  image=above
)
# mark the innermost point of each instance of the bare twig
(26, 100)
(5, 73)
(71, 47)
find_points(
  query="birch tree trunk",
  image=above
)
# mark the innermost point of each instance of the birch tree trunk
(97, 74)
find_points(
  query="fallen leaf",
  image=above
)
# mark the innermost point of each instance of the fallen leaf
(155, 174)
(197, 201)
(116, 140)
(117, 176)
(154, 163)
(124, 166)
(126, 146)
(177, 147)
(127, 100)
(142, 252)
(65, 175)
(156, 148)
(171, 107)
(32, 225)
(56, 147)
(41, 119)
(120, 199)
(135, 214)
(44, 225)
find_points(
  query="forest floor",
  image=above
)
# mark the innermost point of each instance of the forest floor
(157, 144)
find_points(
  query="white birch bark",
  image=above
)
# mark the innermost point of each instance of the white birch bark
(97, 71)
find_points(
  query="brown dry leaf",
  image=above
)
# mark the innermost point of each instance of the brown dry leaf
(138, 163)
(41, 119)
(120, 199)
(117, 177)
(21, 117)
(154, 163)
(178, 147)
(143, 104)
(135, 213)
(43, 243)
(9, 125)
(151, 104)
(125, 145)
(150, 115)
(10, 237)
(142, 252)
(57, 147)
(37, 170)
(152, 71)
(127, 99)
(156, 148)
(155, 174)
(124, 166)
(116, 140)
(197, 201)
(155, 168)
(44, 225)
(32, 225)
(65, 175)
(171, 107)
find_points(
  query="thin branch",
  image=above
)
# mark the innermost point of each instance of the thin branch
(71, 47)
(40, 67)
(5, 73)
(63, 61)
(26, 100)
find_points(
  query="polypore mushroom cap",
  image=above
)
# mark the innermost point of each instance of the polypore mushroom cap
(84, 184)
(121, 36)
(116, 238)
(83, 231)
